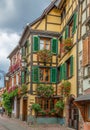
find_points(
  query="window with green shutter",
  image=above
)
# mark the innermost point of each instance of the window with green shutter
(23, 51)
(60, 72)
(74, 23)
(22, 77)
(71, 66)
(53, 75)
(27, 44)
(35, 74)
(66, 31)
(54, 46)
(35, 43)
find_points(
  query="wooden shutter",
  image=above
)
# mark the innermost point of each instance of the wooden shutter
(86, 51)
(35, 43)
(74, 23)
(66, 31)
(22, 77)
(71, 66)
(54, 46)
(35, 74)
(53, 75)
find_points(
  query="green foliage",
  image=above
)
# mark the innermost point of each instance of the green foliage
(36, 107)
(7, 102)
(7, 99)
(45, 91)
(44, 55)
(68, 43)
(65, 88)
(59, 105)
(24, 88)
(42, 112)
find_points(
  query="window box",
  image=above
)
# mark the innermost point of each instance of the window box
(68, 43)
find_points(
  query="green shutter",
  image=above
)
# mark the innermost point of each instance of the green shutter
(71, 66)
(27, 43)
(63, 35)
(65, 70)
(35, 74)
(23, 51)
(54, 46)
(22, 77)
(35, 43)
(60, 73)
(74, 23)
(53, 75)
(66, 31)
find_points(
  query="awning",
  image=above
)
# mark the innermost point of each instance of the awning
(83, 98)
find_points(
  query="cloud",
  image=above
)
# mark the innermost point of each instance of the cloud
(15, 14)
(7, 43)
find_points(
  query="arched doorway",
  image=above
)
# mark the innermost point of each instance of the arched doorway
(73, 113)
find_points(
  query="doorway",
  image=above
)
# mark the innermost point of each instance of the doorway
(73, 115)
(24, 109)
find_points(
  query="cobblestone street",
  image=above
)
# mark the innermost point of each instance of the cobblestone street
(15, 124)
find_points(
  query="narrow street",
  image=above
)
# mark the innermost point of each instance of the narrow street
(15, 124)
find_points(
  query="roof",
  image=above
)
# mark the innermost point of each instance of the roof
(55, 3)
(14, 51)
(83, 98)
(47, 10)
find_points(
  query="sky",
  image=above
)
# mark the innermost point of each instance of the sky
(14, 15)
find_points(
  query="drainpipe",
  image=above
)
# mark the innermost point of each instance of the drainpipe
(78, 7)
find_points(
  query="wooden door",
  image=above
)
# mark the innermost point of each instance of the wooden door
(24, 109)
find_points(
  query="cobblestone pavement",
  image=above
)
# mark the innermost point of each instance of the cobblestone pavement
(15, 124)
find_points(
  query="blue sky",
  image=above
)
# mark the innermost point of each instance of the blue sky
(14, 15)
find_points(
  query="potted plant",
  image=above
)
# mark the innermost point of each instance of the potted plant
(65, 88)
(67, 43)
(37, 108)
(44, 55)
(59, 106)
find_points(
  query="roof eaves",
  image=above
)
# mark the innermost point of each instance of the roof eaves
(52, 4)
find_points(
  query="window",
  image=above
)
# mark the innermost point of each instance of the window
(44, 75)
(87, 71)
(44, 44)
(41, 74)
(46, 104)
(70, 29)
(68, 68)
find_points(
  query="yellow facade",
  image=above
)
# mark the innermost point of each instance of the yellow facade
(52, 23)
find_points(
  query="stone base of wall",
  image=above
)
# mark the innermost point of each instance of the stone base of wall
(46, 120)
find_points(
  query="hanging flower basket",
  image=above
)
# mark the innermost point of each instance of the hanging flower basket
(44, 55)
(68, 43)
(65, 88)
